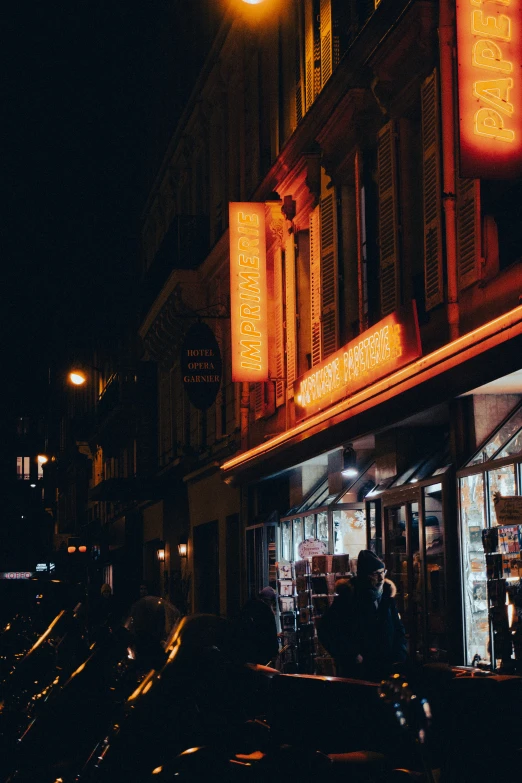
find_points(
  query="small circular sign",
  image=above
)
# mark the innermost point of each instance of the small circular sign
(310, 547)
(201, 366)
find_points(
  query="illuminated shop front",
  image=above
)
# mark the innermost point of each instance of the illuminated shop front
(419, 500)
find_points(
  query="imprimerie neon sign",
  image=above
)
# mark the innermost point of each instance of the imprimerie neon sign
(390, 344)
(248, 291)
(489, 41)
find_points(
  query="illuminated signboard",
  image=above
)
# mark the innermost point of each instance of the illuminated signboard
(390, 344)
(16, 575)
(248, 292)
(489, 41)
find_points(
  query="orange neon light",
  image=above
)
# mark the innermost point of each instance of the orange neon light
(389, 344)
(489, 39)
(248, 292)
(495, 332)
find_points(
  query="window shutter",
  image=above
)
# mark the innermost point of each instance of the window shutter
(279, 363)
(329, 274)
(431, 193)
(299, 79)
(291, 312)
(259, 400)
(326, 35)
(388, 218)
(312, 54)
(309, 53)
(315, 287)
(468, 231)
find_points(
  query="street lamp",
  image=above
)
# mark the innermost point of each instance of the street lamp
(77, 377)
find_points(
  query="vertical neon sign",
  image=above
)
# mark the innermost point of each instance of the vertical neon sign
(490, 88)
(248, 291)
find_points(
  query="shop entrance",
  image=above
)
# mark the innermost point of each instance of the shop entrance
(413, 526)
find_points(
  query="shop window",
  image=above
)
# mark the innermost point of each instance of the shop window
(503, 440)
(309, 526)
(436, 641)
(286, 540)
(500, 480)
(473, 520)
(349, 530)
(298, 537)
(322, 527)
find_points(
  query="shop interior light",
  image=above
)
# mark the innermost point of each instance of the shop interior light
(349, 463)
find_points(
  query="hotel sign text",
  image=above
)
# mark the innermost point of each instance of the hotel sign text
(390, 344)
(489, 40)
(248, 292)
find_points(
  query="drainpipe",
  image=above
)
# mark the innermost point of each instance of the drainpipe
(245, 408)
(449, 173)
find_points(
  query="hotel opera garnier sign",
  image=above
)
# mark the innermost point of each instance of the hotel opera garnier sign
(201, 366)
(390, 344)
(489, 46)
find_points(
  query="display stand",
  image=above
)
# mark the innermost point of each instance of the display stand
(502, 546)
(306, 589)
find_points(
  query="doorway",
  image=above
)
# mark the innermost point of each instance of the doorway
(414, 550)
(206, 567)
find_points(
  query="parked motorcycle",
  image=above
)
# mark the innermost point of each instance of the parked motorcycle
(72, 711)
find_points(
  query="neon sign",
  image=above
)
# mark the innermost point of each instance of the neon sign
(248, 292)
(390, 344)
(489, 39)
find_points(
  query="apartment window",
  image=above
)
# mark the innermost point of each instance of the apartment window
(501, 225)
(23, 468)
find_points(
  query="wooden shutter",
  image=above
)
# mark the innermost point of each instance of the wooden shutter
(309, 53)
(329, 274)
(279, 344)
(299, 73)
(290, 314)
(468, 231)
(388, 218)
(259, 400)
(315, 287)
(326, 36)
(431, 193)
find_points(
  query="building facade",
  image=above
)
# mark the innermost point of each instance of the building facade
(393, 288)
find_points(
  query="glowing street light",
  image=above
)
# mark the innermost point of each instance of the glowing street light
(253, 2)
(77, 377)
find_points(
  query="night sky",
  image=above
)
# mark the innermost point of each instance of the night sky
(91, 94)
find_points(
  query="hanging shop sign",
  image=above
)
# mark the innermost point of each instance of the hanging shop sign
(489, 43)
(387, 346)
(248, 292)
(311, 547)
(201, 366)
(508, 509)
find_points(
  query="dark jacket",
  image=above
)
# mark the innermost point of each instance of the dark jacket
(258, 632)
(353, 626)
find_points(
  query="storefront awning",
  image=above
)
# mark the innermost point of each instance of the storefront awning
(477, 357)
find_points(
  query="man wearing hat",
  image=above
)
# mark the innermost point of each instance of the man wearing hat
(362, 629)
